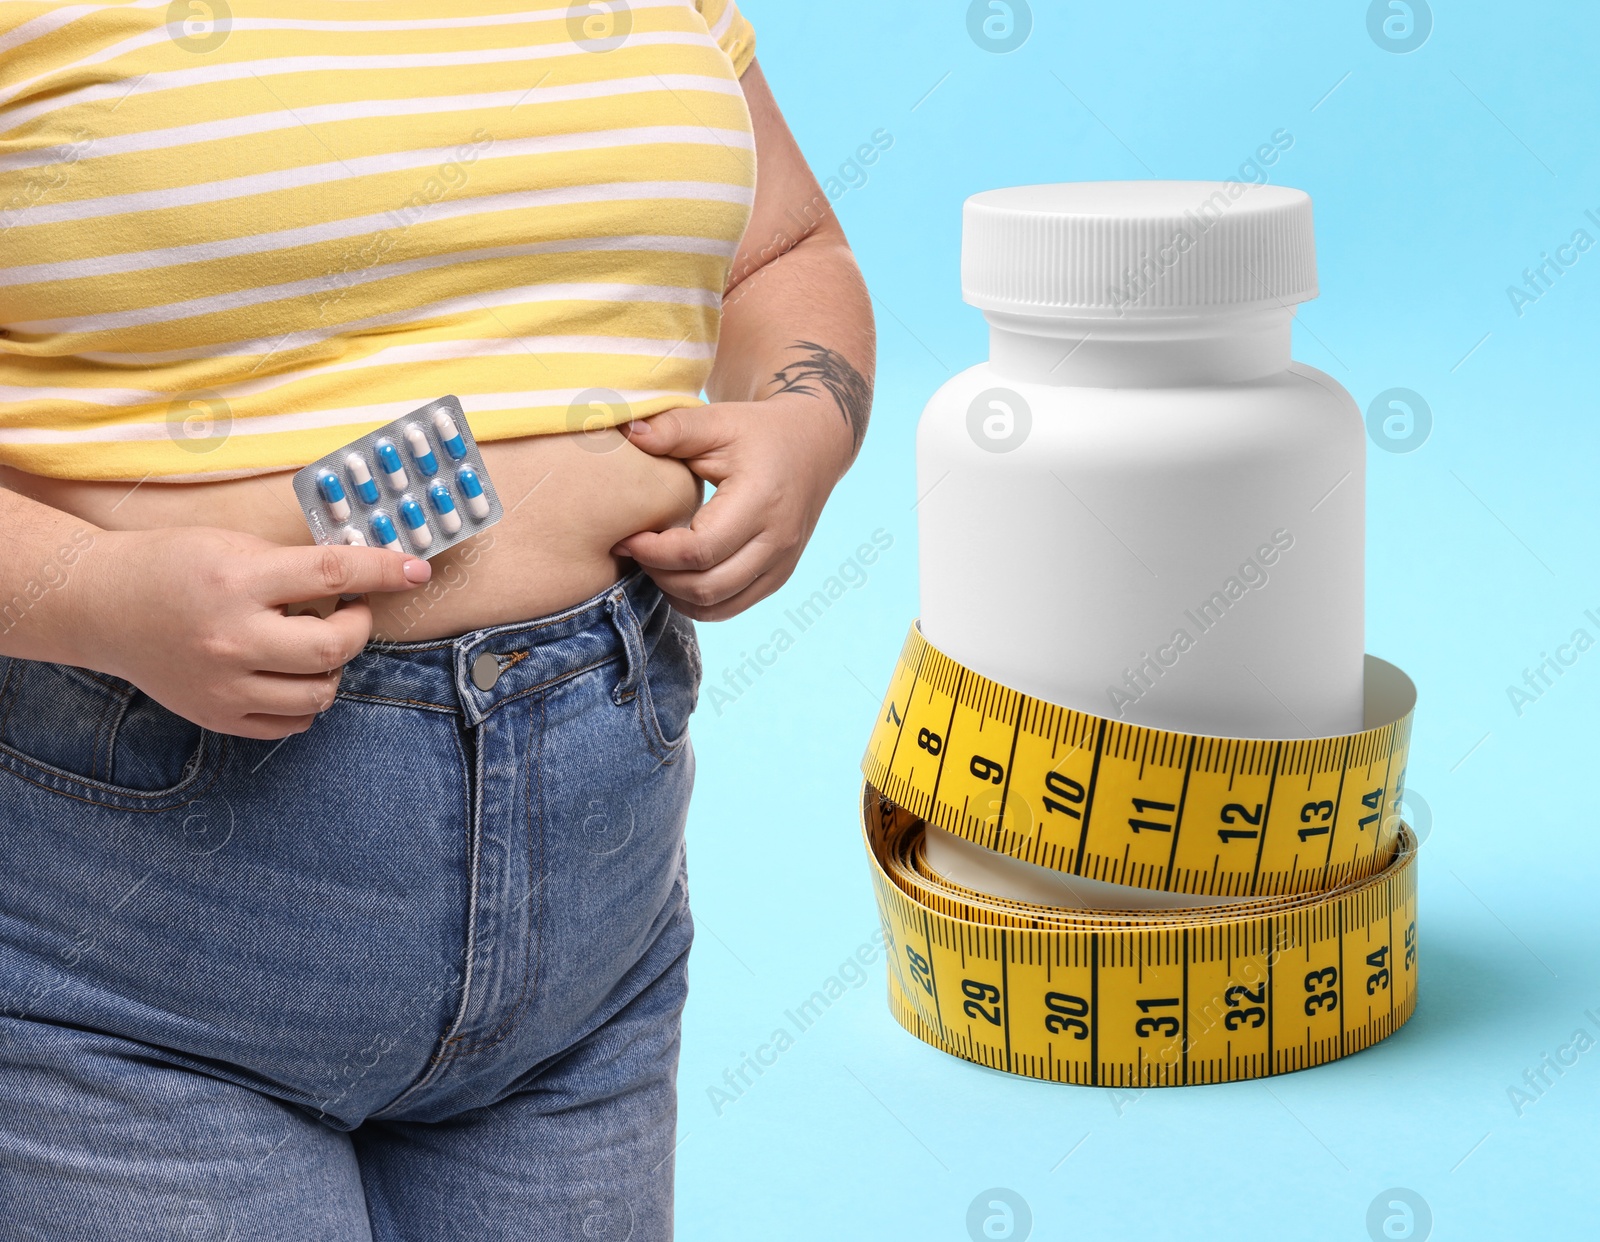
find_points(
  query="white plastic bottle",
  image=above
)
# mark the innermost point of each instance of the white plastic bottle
(1140, 506)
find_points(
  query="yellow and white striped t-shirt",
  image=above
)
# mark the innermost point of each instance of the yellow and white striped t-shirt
(234, 236)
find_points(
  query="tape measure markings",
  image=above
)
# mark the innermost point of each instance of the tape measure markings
(1148, 997)
(1183, 802)
(1312, 769)
(1094, 783)
(1167, 780)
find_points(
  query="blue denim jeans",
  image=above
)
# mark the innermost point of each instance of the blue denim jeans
(416, 973)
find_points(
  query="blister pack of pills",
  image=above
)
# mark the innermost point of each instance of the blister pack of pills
(415, 485)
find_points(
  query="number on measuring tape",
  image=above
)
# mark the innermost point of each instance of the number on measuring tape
(983, 1001)
(1373, 802)
(921, 971)
(1164, 1024)
(1240, 1015)
(1143, 806)
(1068, 790)
(1067, 1013)
(1379, 979)
(1320, 983)
(1243, 813)
(1311, 812)
(987, 770)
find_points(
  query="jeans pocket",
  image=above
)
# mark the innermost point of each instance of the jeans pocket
(670, 684)
(97, 737)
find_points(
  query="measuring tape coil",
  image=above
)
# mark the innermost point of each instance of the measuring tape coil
(1127, 804)
(1318, 962)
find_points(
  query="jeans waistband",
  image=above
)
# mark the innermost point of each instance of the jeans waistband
(476, 672)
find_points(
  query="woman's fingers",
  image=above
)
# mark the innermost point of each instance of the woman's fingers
(264, 728)
(726, 523)
(296, 575)
(308, 644)
(764, 585)
(290, 694)
(704, 588)
(691, 433)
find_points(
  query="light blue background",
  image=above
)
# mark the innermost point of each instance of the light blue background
(1438, 176)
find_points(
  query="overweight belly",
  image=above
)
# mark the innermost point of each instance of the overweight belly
(568, 500)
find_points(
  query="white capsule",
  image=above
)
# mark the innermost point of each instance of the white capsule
(383, 529)
(394, 472)
(416, 523)
(354, 537)
(356, 464)
(333, 496)
(472, 492)
(420, 452)
(449, 518)
(448, 435)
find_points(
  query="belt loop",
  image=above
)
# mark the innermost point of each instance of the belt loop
(627, 626)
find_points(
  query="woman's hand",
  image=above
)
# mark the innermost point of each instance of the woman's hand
(773, 462)
(196, 618)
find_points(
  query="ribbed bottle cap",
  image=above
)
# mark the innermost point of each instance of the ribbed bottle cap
(1148, 248)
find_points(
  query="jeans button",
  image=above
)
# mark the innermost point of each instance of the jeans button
(486, 671)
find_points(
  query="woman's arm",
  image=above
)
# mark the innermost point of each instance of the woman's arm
(41, 579)
(193, 616)
(791, 392)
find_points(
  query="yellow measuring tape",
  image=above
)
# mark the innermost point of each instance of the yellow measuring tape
(1132, 805)
(1319, 962)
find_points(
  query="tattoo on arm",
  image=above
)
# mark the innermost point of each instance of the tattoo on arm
(823, 370)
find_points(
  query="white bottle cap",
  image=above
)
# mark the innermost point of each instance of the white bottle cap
(1146, 248)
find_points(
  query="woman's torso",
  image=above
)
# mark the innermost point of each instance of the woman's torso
(567, 503)
(321, 220)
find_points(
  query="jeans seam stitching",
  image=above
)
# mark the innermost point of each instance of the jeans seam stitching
(366, 697)
(655, 741)
(439, 1060)
(650, 726)
(5, 716)
(110, 728)
(535, 934)
(549, 684)
(99, 740)
(384, 698)
(111, 801)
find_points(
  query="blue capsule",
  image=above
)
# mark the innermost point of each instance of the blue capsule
(333, 492)
(386, 534)
(448, 435)
(472, 489)
(356, 464)
(389, 462)
(446, 507)
(416, 523)
(426, 461)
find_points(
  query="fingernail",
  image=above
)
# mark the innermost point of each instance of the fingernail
(417, 571)
(638, 427)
